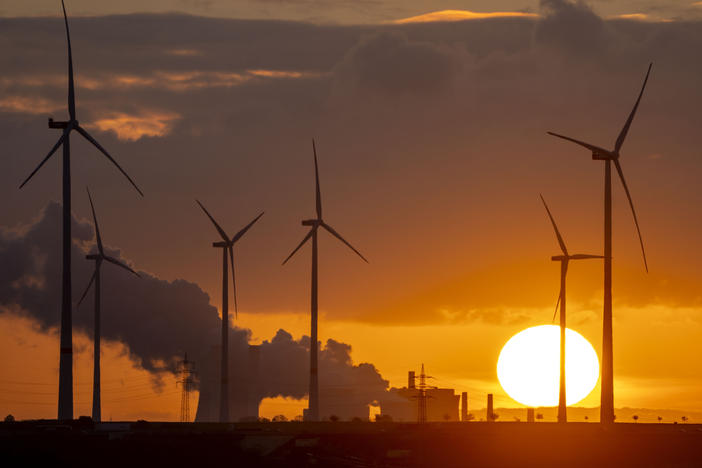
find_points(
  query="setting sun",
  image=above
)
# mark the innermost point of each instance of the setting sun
(528, 366)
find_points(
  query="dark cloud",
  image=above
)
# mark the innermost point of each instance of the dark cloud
(156, 319)
(389, 63)
(572, 26)
(432, 150)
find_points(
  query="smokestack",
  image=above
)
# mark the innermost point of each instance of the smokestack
(254, 390)
(490, 412)
(530, 414)
(464, 406)
(410, 379)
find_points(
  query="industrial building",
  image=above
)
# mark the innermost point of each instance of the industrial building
(403, 404)
(248, 385)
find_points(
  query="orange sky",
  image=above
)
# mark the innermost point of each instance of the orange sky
(432, 150)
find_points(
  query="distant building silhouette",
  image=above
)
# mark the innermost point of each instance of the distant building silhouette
(464, 406)
(250, 384)
(490, 416)
(238, 397)
(530, 415)
(400, 404)
(254, 391)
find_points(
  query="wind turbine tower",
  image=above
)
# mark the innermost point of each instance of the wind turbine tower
(227, 246)
(609, 157)
(95, 279)
(65, 391)
(563, 259)
(315, 224)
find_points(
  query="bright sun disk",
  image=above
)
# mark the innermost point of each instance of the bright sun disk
(528, 366)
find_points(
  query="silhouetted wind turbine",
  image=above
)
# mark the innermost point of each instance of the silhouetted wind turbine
(227, 246)
(98, 257)
(315, 224)
(564, 259)
(601, 154)
(65, 397)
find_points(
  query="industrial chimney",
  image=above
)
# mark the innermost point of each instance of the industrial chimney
(410, 379)
(254, 386)
(490, 412)
(464, 406)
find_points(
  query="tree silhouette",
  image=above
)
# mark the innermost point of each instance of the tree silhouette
(470, 417)
(660, 418)
(280, 418)
(539, 416)
(684, 419)
(334, 418)
(635, 418)
(9, 418)
(586, 418)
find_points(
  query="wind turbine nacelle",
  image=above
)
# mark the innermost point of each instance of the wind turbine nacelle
(56, 124)
(597, 156)
(310, 222)
(220, 244)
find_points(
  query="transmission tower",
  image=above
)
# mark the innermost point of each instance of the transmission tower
(187, 379)
(422, 396)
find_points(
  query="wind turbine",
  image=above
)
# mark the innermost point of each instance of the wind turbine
(98, 258)
(227, 246)
(315, 224)
(65, 397)
(564, 259)
(609, 157)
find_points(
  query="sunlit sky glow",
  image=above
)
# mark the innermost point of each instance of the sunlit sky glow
(433, 150)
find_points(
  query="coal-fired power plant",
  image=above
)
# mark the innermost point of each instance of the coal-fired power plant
(280, 368)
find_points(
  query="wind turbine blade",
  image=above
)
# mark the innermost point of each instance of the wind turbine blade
(584, 256)
(625, 129)
(53, 150)
(97, 229)
(71, 87)
(558, 302)
(231, 260)
(555, 228)
(246, 228)
(306, 238)
(92, 140)
(581, 143)
(316, 178)
(90, 283)
(633, 211)
(338, 236)
(217, 226)
(120, 264)
(564, 272)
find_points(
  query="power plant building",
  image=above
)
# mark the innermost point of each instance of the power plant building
(339, 399)
(402, 404)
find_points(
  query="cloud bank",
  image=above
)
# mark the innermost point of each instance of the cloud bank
(432, 144)
(160, 320)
